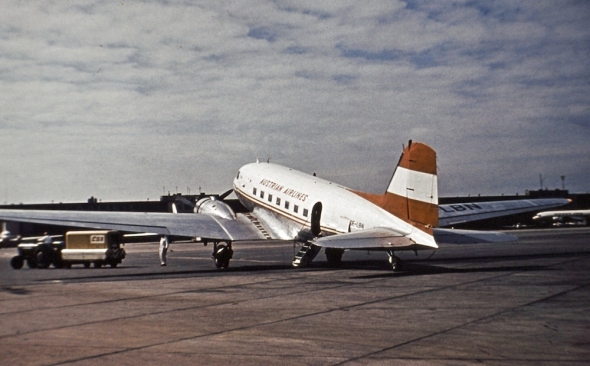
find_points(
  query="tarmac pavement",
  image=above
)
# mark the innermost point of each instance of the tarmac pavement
(504, 304)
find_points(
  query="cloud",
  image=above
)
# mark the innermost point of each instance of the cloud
(147, 95)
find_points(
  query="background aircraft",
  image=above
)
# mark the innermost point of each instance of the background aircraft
(575, 217)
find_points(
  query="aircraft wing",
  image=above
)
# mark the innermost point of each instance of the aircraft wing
(188, 225)
(465, 212)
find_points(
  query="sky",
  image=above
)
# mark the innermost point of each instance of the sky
(131, 100)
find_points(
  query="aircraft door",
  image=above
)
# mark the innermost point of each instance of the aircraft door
(316, 214)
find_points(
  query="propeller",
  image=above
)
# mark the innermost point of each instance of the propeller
(193, 205)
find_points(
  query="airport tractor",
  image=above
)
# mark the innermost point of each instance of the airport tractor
(98, 248)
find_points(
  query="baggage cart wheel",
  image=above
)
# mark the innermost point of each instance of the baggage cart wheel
(17, 262)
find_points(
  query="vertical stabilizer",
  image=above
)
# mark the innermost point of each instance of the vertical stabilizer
(412, 194)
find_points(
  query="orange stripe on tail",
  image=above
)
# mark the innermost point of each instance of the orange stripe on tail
(412, 194)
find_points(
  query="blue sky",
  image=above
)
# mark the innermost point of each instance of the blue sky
(128, 100)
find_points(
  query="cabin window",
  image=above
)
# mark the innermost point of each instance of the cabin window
(270, 198)
(295, 208)
(238, 176)
(254, 191)
(287, 205)
(261, 194)
(278, 201)
(305, 212)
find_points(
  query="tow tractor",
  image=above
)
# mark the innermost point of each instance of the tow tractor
(81, 247)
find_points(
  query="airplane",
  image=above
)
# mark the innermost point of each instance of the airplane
(580, 217)
(8, 239)
(289, 205)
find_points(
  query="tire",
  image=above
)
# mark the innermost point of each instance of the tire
(87, 265)
(114, 264)
(31, 263)
(222, 256)
(17, 262)
(334, 256)
(396, 264)
(97, 264)
(43, 257)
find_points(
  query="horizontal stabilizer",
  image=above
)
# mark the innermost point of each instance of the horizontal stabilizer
(454, 236)
(379, 238)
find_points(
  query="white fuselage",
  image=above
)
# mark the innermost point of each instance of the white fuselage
(286, 196)
(578, 215)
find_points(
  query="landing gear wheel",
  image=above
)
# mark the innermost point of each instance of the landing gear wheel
(87, 265)
(31, 263)
(17, 262)
(334, 257)
(221, 255)
(97, 264)
(114, 264)
(396, 263)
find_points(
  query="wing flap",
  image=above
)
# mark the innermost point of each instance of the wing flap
(379, 238)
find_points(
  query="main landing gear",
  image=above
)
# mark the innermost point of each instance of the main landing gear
(395, 262)
(334, 256)
(222, 253)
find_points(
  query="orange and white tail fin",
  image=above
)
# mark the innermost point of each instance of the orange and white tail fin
(412, 194)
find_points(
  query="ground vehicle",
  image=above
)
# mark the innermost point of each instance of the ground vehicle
(80, 247)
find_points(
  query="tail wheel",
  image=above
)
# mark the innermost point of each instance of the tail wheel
(221, 255)
(396, 263)
(17, 262)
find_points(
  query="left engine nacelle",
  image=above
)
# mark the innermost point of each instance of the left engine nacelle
(214, 207)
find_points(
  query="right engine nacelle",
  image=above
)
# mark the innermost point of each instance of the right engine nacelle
(214, 207)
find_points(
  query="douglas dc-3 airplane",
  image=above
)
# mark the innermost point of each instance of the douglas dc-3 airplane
(581, 217)
(289, 205)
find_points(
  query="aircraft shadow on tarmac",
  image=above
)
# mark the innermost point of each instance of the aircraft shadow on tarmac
(437, 266)
(420, 269)
(15, 290)
(171, 273)
(411, 268)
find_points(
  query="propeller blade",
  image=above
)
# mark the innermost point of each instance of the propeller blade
(224, 195)
(185, 201)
